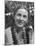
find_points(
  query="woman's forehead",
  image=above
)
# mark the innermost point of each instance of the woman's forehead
(22, 11)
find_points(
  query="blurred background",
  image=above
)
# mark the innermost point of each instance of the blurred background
(10, 6)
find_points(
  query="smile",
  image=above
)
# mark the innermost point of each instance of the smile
(20, 23)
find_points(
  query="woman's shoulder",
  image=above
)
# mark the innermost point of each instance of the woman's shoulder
(9, 36)
(8, 29)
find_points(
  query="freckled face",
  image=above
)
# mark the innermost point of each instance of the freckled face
(21, 17)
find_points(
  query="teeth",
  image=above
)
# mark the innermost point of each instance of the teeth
(20, 21)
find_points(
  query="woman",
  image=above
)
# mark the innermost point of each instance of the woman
(19, 32)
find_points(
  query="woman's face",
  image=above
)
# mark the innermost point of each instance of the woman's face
(21, 17)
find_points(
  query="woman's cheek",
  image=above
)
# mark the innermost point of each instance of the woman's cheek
(17, 17)
(26, 20)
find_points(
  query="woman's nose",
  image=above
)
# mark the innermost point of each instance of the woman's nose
(21, 18)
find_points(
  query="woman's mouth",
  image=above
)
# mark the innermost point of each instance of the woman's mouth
(20, 22)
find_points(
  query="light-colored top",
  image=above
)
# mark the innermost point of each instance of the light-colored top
(9, 39)
(8, 36)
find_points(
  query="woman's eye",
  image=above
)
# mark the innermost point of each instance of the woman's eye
(24, 16)
(18, 14)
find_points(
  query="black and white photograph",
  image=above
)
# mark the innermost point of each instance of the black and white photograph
(19, 22)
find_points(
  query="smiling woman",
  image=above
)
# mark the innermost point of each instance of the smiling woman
(21, 17)
(20, 32)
